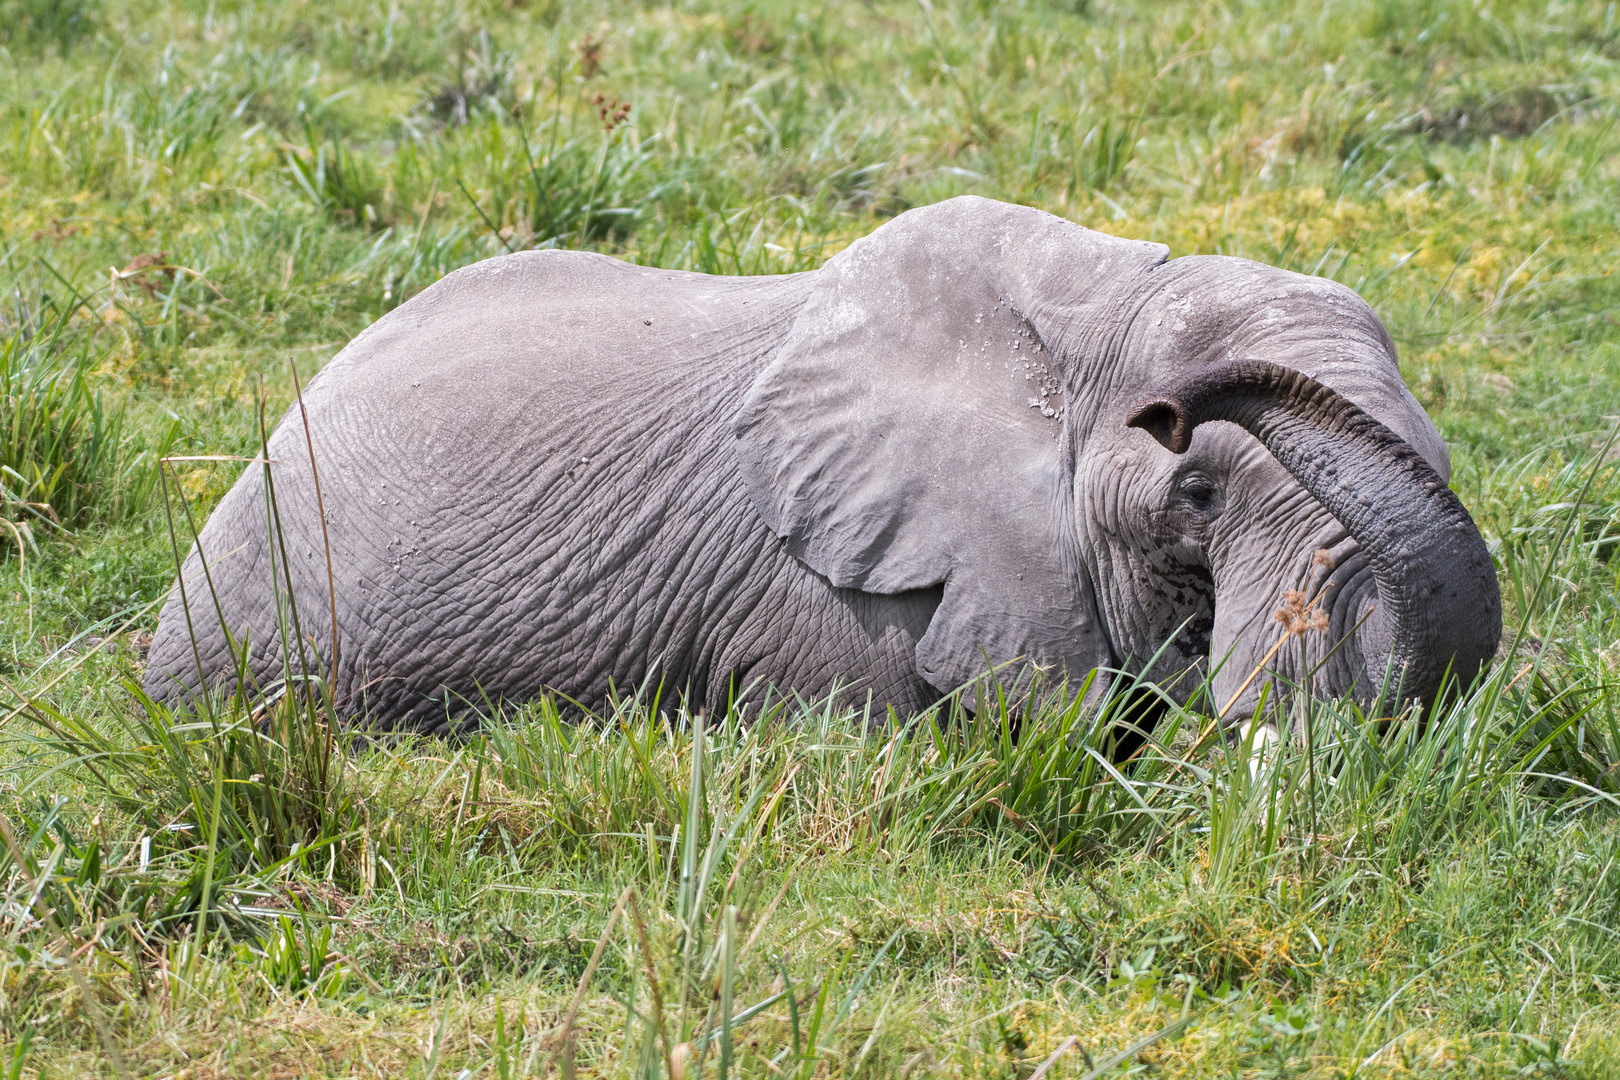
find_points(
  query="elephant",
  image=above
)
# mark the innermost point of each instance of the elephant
(980, 438)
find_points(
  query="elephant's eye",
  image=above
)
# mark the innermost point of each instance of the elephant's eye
(1196, 489)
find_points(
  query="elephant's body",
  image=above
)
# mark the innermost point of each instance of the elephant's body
(557, 472)
(629, 381)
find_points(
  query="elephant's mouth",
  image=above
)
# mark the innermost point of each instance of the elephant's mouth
(1432, 613)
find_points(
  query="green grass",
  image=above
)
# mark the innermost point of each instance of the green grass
(191, 195)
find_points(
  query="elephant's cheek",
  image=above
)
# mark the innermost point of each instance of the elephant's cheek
(1164, 613)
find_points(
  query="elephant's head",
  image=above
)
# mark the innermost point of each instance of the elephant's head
(990, 398)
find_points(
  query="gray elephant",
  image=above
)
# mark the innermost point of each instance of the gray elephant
(978, 435)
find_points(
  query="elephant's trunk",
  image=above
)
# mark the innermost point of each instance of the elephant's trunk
(1439, 605)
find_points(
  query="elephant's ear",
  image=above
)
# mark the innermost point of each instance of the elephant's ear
(908, 432)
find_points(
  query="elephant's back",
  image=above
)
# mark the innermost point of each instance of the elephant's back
(502, 408)
(569, 339)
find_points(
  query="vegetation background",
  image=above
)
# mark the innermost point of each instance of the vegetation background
(197, 196)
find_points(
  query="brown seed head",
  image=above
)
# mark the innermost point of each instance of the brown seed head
(1297, 618)
(590, 56)
(611, 111)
